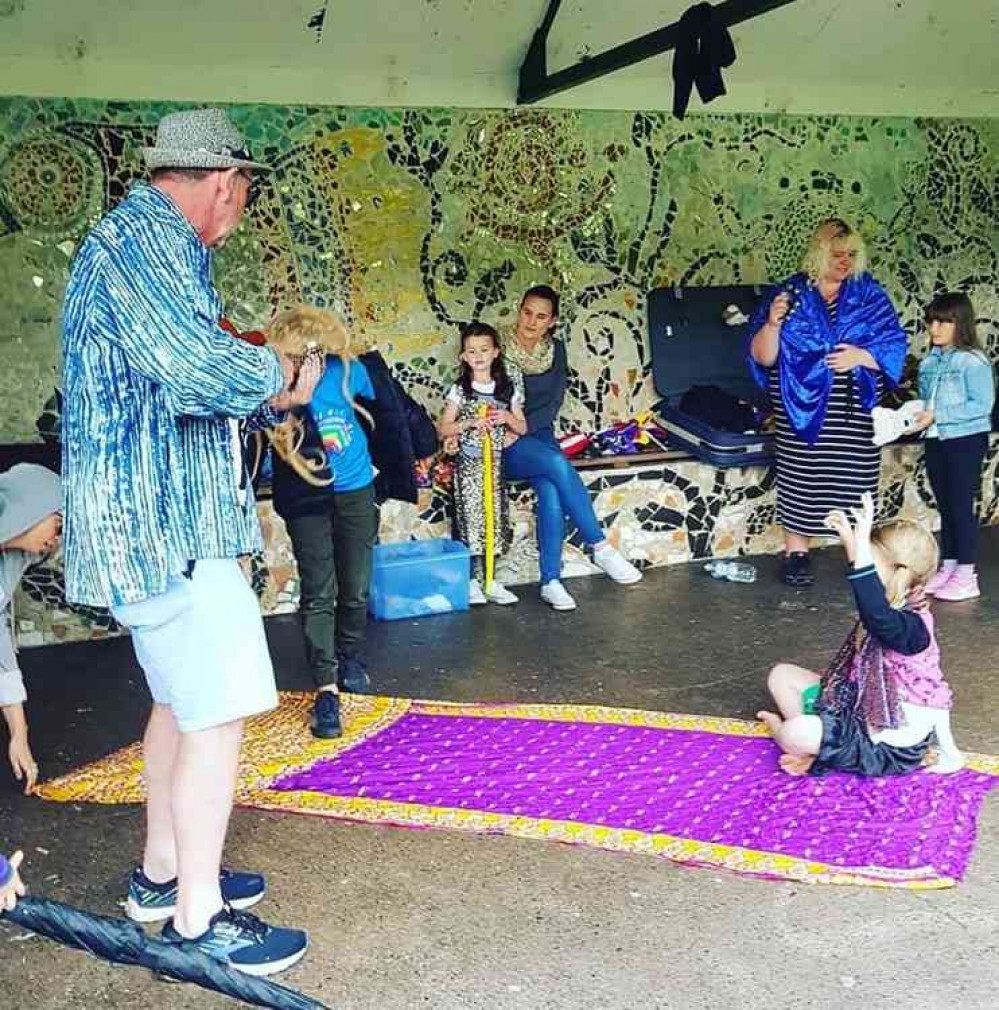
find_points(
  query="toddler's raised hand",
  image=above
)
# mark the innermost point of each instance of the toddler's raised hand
(863, 523)
(840, 525)
(863, 518)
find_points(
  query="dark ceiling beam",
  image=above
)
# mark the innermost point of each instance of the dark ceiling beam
(536, 83)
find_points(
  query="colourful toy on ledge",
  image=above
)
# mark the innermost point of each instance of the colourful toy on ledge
(641, 434)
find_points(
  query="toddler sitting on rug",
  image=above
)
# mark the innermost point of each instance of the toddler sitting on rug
(875, 709)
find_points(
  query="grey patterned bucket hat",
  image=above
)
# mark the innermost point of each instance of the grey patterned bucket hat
(199, 138)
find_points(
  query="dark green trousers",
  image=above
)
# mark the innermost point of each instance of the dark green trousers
(333, 552)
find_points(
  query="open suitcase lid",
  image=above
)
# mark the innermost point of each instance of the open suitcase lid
(693, 345)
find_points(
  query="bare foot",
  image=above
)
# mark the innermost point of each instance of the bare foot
(795, 764)
(943, 764)
(773, 721)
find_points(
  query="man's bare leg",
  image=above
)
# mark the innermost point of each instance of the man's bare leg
(204, 784)
(159, 751)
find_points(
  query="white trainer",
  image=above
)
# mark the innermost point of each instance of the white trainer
(476, 597)
(496, 592)
(555, 595)
(615, 565)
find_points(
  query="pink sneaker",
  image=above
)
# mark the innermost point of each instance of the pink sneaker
(959, 587)
(939, 581)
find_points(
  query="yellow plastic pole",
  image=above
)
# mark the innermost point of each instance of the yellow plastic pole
(487, 490)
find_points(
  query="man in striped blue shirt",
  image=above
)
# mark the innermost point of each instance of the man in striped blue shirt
(157, 511)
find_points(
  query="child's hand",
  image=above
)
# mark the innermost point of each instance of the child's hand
(23, 762)
(14, 888)
(863, 518)
(923, 420)
(839, 524)
(308, 378)
(863, 523)
(499, 415)
(916, 598)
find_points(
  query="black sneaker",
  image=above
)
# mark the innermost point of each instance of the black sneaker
(246, 943)
(326, 716)
(150, 902)
(797, 569)
(352, 673)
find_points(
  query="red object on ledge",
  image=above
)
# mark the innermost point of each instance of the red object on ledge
(573, 445)
(254, 337)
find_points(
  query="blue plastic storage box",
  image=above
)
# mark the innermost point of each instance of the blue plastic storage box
(417, 578)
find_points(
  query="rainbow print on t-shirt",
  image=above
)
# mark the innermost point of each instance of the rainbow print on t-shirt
(335, 432)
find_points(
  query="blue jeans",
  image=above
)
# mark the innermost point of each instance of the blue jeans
(537, 458)
(954, 466)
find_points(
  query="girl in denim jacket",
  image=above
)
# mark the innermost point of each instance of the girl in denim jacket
(957, 384)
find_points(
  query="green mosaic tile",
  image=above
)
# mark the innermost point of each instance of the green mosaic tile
(412, 220)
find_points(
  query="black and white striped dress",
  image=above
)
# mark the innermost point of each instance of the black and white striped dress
(813, 480)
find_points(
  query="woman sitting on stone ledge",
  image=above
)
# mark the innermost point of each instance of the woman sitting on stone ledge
(535, 355)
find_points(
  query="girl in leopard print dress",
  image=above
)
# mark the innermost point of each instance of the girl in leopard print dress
(483, 406)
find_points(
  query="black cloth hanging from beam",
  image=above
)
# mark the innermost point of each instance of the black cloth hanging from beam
(703, 49)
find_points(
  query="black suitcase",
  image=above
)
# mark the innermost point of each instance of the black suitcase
(693, 345)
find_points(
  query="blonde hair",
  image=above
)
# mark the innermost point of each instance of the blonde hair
(831, 234)
(299, 332)
(911, 553)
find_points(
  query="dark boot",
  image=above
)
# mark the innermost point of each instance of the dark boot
(326, 716)
(796, 569)
(352, 673)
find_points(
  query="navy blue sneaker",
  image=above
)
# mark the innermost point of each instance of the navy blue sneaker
(326, 716)
(149, 902)
(246, 943)
(352, 673)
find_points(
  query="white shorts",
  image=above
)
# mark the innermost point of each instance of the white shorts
(202, 647)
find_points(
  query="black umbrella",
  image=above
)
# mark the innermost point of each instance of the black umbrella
(122, 942)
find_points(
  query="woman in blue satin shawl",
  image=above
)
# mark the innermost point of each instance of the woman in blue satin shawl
(826, 344)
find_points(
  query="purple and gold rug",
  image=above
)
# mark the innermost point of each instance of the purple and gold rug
(698, 790)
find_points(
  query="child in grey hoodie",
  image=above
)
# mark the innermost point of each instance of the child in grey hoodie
(30, 524)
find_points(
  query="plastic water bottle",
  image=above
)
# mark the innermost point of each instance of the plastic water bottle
(734, 571)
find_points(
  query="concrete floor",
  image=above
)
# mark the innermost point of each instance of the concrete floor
(406, 919)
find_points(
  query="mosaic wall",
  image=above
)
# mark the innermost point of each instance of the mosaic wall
(410, 221)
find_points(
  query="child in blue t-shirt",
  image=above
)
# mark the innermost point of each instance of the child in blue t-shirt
(324, 445)
(333, 410)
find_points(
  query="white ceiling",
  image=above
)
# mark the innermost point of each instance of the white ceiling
(930, 57)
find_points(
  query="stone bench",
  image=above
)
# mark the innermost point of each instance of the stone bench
(659, 510)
